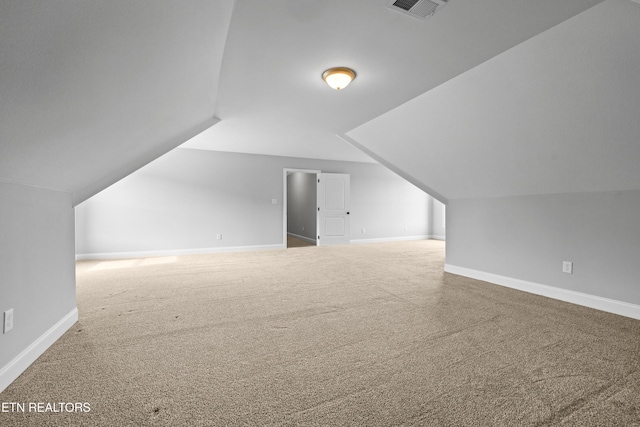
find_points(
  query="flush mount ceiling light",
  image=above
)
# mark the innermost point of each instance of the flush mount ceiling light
(338, 77)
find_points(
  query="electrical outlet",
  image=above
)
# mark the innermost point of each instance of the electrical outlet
(8, 321)
(363, 230)
(302, 228)
(567, 267)
(274, 201)
(218, 236)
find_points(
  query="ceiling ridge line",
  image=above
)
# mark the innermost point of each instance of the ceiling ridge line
(40, 187)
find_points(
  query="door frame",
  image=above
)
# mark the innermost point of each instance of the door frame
(285, 172)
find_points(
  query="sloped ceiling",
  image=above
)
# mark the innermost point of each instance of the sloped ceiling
(92, 90)
(273, 101)
(558, 113)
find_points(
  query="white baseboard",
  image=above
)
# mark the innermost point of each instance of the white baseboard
(21, 362)
(599, 303)
(204, 251)
(306, 239)
(175, 252)
(437, 237)
(388, 239)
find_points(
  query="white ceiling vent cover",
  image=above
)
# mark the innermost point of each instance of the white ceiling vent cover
(421, 9)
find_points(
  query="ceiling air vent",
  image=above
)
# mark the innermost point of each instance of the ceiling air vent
(421, 9)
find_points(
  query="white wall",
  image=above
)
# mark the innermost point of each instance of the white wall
(302, 204)
(528, 238)
(181, 201)
(37, 272)
(438, 217)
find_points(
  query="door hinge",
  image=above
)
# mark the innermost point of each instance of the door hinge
(318, 209)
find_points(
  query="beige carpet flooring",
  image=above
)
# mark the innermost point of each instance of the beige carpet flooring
(361, 335)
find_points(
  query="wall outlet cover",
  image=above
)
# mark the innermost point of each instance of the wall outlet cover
(8, 321)
(567, 267)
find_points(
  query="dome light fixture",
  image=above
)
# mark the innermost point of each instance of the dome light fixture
(338, 77)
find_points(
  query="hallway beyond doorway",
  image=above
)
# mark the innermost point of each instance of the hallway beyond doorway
(296, 242)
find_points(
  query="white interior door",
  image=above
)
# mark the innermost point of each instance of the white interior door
(333, 209)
